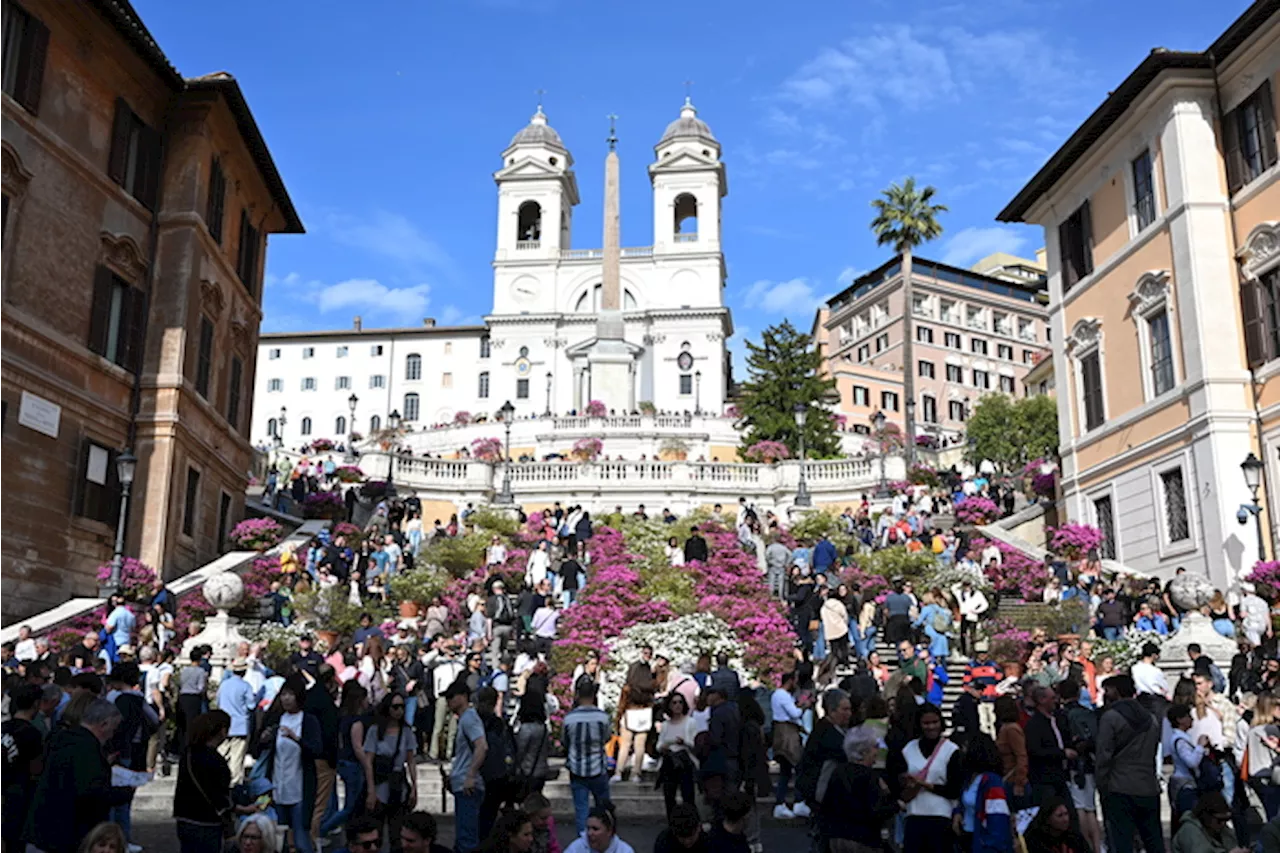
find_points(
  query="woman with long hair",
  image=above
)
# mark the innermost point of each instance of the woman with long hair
(835, 624)
(292, 741)
(1220, 615)
(202, 792)
(513, 833)
(601, 835)
(983, 820)
(391, 777)
(1262, 752)
(374, 668)
(675, 744)
(1051, 832)
(353, 722)
(674, 552)
(1011, 741)
(928, 783)
(106, 837)
(533, 744)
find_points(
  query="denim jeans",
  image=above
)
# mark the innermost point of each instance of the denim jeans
(123, 815)
(583, 787)
(297, 817)
(410, 710)
(466, 810)
(352, 775)
(1125, 814)
(1109, 633)
(784, 780)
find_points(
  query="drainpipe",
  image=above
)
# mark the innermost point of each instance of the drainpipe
(1253, 375)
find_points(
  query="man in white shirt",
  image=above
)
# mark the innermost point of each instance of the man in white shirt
(1147, 677)
(992, 552)
(25, 650)
(497, 553)
(394, 553)
(447, 670)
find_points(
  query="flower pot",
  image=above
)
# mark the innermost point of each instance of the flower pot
(408, 610)
(1012, 669)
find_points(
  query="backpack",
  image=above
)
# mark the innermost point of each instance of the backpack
(1208, 775)
(942, 621)
(501, 754)
(131, 736)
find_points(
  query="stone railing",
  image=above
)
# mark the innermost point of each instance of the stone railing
(596, 254)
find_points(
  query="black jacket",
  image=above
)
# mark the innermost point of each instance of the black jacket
(855, 807)
(964, 719)
(74, 793)
(825, 743)
(319, 704)
(1046, 760)
(202, 791)
(695, 548)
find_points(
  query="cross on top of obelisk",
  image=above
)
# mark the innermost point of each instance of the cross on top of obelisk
(613, 132)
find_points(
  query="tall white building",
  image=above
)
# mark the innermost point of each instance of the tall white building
(533, 349)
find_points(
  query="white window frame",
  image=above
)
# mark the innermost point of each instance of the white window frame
(1150, 296)
(897, 400)
(275, 385)
(308, 352)
(343, 351)
(951, 417)
(273, 353)
(308, 383)
(1085, 339)
(866, 396)
(1131, 190)
(1107, 490)
(1166, 548)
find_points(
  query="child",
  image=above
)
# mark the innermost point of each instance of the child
(538, 808)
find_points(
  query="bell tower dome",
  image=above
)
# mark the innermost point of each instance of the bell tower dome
(536, 194)
(688, 182)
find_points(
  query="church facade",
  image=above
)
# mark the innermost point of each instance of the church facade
(538, 345)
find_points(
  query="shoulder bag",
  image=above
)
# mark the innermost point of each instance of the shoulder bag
(226, 816)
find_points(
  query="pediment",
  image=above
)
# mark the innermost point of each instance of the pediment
(528, 167)
(685, 159)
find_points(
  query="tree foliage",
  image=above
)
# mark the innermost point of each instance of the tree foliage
(1010, 433)
(783, 370)
(906, 216)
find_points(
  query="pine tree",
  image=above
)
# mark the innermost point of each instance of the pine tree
(783, 370)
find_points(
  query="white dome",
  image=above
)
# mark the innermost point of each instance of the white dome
(688, 126)
(538, 132)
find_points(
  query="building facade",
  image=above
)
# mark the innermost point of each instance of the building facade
(136, 209)
(533, 348)
(1161, 217)
(974, 334)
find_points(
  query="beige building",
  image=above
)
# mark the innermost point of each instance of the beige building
(136, 209)
(975, 334)
(1162, 222)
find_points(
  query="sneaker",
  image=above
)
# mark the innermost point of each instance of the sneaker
(800, 810)
(617, 777)
(781, 812)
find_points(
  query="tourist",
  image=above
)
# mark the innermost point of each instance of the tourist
(353, 721)
(585, 732)
(726, 678)
(291, 741)
(729, 834)
(695, 547)
(1260, 754)
(1050, 832)
(391, 778)
(855, 805)
(1048, 751)
(683, 833)
(105, 838)
(538, 808)
(983, 822)
(257, 834)
(824, 744)
(673, 552)
(1220, 615)
(601, 834)
(201, 794)
(675, 744)
(898, 605)
(1128, 742)
(929, 786)
(937, 620)
(374, 672)
(835, 625)
(74, 792)
(444, 726)
(465, 782)
(418, 834)
(500, 627)
(129, 743)
(543, 625)
(23, 757)
(239, 701)
(306, 658)
(1078, 724)
(532, 744)
(973, 604)
(787, 740)
(193, 681)
(636, 706)
(364, 835)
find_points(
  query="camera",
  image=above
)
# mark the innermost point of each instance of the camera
(1242, 515)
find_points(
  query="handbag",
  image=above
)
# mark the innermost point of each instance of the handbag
(226, 816)
(910, 793)
(387, 768)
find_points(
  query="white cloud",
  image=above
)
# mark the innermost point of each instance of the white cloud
(891, 63)
(972, 244)
(374, 298)
(390, 235)
(847, 275)
(795, 298)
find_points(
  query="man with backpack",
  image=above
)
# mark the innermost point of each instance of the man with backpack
(1127, 745)
(138, 722)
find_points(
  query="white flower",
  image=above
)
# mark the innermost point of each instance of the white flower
(681, 641)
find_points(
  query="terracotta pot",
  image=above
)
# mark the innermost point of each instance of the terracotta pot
(330, 639)
(1013, 669)
(408, 610)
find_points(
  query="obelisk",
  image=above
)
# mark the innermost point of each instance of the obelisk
(611, 361)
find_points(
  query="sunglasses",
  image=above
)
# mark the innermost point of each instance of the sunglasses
(368, 845)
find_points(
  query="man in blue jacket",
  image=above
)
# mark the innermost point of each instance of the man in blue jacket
(824, 554)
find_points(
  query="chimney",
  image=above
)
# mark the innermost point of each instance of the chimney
(429, 322)
(357, 324)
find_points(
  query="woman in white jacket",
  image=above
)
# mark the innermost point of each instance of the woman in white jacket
(973, 603)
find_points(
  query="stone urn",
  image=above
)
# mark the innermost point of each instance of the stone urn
(1190, 593)
(224, 591)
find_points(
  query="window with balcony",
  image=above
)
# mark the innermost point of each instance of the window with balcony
(889, 400)
(925, 369)
(929, 407)
(978, 346)
(861, 396)
(1249, 137)
(955, 373)
(951, 340)
(1075, 246)
(1144, 189)
(982, 379)
(924, 334)
(483, 390)
(956, 411)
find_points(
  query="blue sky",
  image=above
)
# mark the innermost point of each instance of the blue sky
(387, 119)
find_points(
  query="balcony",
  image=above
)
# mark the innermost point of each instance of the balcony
(597, 254)
(523, 245)
(687, 238)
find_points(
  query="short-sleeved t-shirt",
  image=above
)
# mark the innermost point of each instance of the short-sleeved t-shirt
(21, 743)
(386, 746)
(470, 730)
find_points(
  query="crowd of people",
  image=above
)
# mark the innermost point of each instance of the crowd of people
(330, 740)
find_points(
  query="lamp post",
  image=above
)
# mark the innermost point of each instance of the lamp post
(801, 412)
(877, 424)
(1252, 468)
(393, 424)
(507, 414)
(351, 435)
(697, 393)
(126, 466)
(548, 412)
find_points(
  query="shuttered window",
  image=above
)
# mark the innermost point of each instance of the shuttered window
(1091, 382)
(1249, 137)
(233, 392)
(247, 258)
(117, 321)
(1104, 513)
(214, 211)
(204, 357)
(191, 502)
(1075, 246)
(97, 493)
(26, 43)
(135, 156)
(1260, 307)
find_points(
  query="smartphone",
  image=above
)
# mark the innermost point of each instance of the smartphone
(263, 801)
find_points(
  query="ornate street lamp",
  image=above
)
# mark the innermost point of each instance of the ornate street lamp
(1252, 468)
(507, 413)
(697, 392)
(801, 412)
(351, 435)
(548, 412)
(126, 467)
(393, 424)
(877, 424)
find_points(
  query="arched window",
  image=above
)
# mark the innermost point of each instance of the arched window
(589, 302)
(484, 347)
(529, 225)
(306, 426)
(483, 393)
(413, 366)
(340, 426)
(686, 218)
(375, 423)
(410, 407)
(272, 427)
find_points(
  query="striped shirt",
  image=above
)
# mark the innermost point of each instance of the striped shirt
(586, 730)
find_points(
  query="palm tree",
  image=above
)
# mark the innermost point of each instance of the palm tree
(905, 218)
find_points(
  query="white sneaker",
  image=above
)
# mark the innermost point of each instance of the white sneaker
(781, 812)
(617, 777)
(800, 810)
